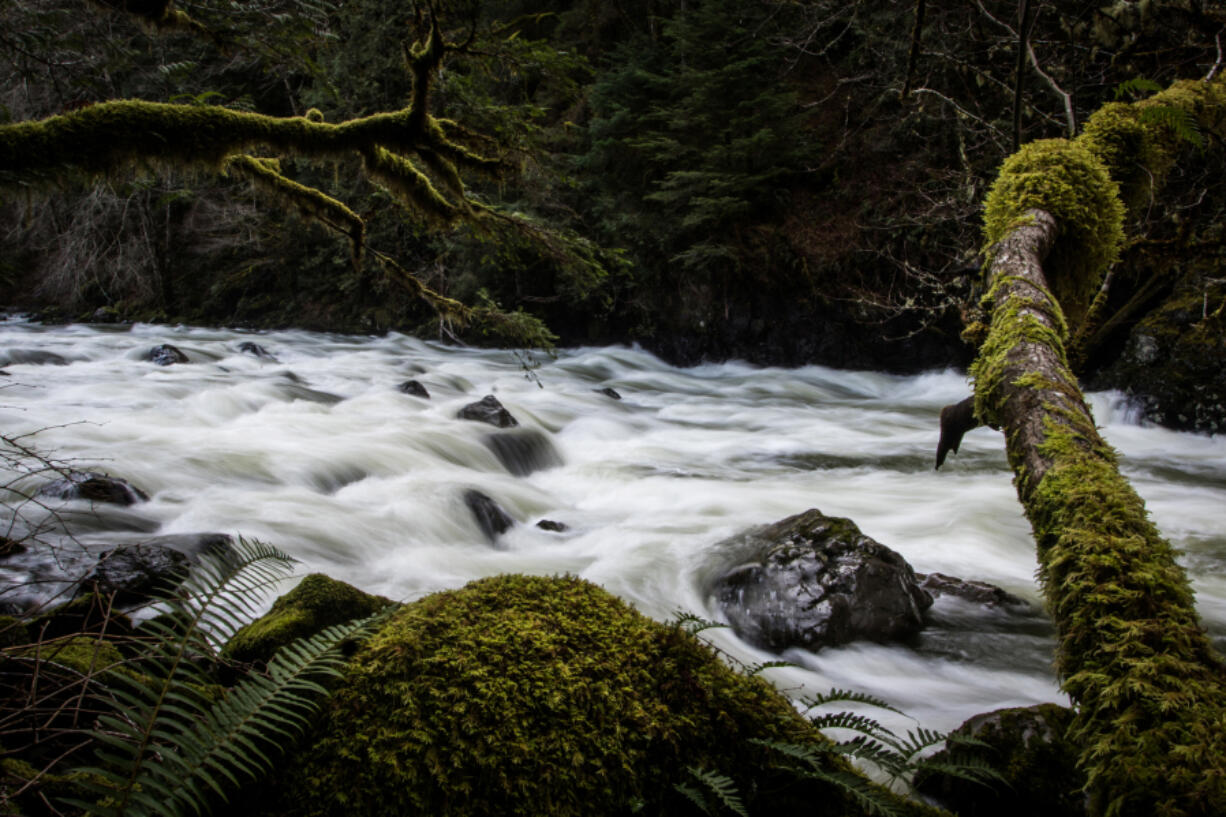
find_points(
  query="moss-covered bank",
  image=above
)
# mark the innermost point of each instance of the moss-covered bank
(525, 696)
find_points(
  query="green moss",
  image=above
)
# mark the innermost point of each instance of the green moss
(265, 174)
(529, 696)
(317, 602)
(1150, 692)
(1065, 179)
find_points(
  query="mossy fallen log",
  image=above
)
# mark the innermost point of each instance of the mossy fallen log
(1149, 690)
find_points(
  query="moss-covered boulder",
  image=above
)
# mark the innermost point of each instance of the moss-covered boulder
(1029, 748)
(317, 602)
(528, 696)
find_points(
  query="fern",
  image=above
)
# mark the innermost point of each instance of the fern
(847, 696)
(169, 747)
(1137, 87)
(1179, 121)
(754, 669)
(717, 787)
(694, 624)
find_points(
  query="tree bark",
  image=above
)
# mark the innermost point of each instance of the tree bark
(1148, 688)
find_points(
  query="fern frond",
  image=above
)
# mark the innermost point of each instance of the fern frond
(918, 740)
(724, 789)
(848, 720)
(847, 696)
(694, 624)
(1181, 123)
(754, 669)
(814, 764)
(1136, 87)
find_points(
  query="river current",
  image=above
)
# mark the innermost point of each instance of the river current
(317, 452)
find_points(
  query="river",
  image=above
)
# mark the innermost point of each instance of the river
(317, 452)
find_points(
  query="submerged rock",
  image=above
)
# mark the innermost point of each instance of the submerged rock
(94, 488)
(608, 391)
(165, 355)
(522, 452)
(551, 525)
(518, 696)
(1030, 749)
(488, 410)
(413, 388)
(316, 603)
(490, 516)
(817, 581)
(32, 357)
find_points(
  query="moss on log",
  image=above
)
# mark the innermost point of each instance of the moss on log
(1150, 692)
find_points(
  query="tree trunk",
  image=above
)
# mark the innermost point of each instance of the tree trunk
(1148, 688)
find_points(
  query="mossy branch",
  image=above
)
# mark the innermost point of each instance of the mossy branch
(1149, 689)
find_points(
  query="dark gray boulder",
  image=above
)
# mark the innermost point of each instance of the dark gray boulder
(490, 516)
(413, 388)
(976, 592)
(522, 452)
(94, 488)
(134, 574)
(1030, 748)
(551, 525)
(817, 581)
(608, 391)
(488, 410)
(138, 572)
(165, 355)
(248, 347)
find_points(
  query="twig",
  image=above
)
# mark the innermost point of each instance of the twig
(1218, 64)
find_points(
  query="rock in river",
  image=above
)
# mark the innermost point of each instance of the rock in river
(93, 487)
(488, 410)
(817, 581)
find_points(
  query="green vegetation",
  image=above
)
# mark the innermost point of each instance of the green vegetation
(1132, 653)
(522, 695)
(315, 603)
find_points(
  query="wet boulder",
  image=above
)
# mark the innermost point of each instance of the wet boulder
(553, 526)
(490, 516)
(248, 347)
(816, 581)
(165, 355)
(976, 592)
(413, 388)
(93, 487)
(488, 410)
(1030, 749)
(134, 574)
(522, 452)
(609, 392)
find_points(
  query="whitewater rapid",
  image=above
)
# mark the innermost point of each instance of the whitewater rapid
(317, 452)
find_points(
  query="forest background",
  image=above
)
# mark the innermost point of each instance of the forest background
(782, 182)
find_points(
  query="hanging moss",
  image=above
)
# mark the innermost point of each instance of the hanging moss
(528, 696)
(410, 186)
(1066, 180)
(312, 204)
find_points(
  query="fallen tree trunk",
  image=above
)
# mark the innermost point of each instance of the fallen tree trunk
(1148, 688)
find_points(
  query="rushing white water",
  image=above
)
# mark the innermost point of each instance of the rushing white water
(318, 453)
